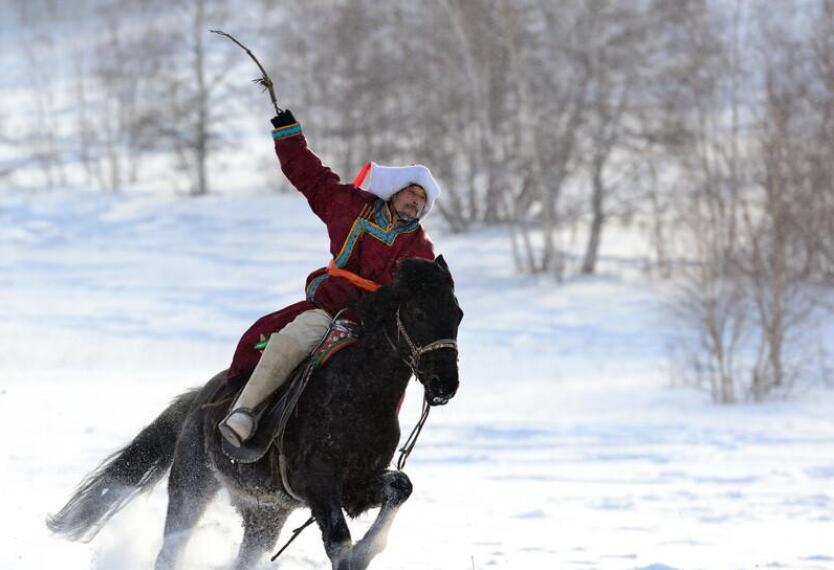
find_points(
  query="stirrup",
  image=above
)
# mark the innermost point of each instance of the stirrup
(230, 435)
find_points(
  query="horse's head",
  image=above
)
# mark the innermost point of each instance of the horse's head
(421, 315)
(427, 317)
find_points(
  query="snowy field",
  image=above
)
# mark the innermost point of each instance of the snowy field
(566, 447)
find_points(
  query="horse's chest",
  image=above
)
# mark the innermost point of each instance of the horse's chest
(356, 438)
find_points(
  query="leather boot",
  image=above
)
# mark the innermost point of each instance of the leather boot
(280, 357)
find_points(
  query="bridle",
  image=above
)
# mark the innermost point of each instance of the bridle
(415, 351)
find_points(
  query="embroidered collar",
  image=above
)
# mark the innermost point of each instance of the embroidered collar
(382, 215)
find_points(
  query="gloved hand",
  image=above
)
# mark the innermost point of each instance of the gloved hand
(283, 119)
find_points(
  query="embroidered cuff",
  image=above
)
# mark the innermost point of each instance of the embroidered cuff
(285, 125)
(286, 132)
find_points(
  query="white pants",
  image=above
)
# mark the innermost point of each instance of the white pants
(307, 329)
(284, 351)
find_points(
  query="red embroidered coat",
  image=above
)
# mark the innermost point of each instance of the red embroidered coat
(363, 238)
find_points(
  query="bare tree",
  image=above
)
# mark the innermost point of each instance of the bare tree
(106, 131)
(750, 168)
(714, 297)
(617, 49)
(713, 304)
(189, 123)
(41, 52)
(546, 132)
(818, 97)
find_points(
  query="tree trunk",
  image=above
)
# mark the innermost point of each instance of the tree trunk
(597, 196)
(201, 137)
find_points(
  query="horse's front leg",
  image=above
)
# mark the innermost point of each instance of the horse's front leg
(327, 511)
(394, 488)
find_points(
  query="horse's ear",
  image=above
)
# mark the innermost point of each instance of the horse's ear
(442, 264)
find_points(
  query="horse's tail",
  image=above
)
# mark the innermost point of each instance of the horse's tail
(123, 475)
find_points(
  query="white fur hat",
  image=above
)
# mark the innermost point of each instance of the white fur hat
(385, 181)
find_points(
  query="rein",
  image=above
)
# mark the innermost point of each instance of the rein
(406, 449)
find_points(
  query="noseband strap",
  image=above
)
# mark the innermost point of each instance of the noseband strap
(416, 351)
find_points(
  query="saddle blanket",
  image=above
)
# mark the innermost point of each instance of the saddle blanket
(342, 334)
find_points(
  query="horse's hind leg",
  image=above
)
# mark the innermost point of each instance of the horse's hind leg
(191, 485)
(392, 490)
(261, 527)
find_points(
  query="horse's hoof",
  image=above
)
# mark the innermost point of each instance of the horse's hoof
(398, 488)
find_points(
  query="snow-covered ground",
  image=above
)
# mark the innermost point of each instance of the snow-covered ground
(566, 447)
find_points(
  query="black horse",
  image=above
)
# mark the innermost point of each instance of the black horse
(337, 447)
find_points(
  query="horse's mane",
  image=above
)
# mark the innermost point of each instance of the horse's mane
(414, 277)
(420, 276)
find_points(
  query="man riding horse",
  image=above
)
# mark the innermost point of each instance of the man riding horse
(372, 224)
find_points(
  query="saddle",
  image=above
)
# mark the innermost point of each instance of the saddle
(281, 405)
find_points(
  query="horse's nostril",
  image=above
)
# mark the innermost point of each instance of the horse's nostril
(434, 383)
(437, 392)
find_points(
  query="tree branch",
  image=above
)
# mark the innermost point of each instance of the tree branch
(264, 80)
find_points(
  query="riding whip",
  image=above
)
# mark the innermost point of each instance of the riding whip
(264, 80)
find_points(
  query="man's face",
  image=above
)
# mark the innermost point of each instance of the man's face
(408, 203)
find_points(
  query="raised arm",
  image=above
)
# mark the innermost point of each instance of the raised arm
(324, 191)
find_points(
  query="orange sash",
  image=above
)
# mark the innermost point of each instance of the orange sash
(361, 282)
